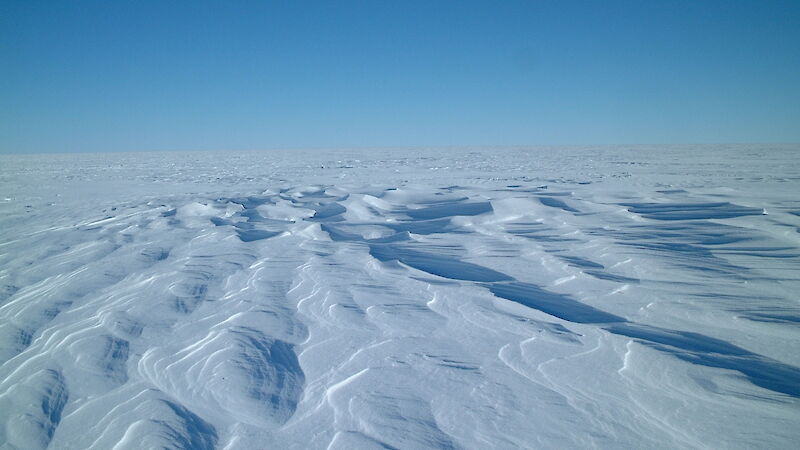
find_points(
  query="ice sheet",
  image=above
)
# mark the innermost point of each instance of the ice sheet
(630, 297)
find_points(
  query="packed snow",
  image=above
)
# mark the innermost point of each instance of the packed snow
(630, 297)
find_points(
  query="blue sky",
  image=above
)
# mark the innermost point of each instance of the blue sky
(182, 75)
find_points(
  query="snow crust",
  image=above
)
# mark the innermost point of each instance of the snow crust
(628, 297)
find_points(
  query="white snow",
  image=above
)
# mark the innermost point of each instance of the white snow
(629, 297)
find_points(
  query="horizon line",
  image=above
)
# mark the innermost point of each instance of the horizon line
(392, 147)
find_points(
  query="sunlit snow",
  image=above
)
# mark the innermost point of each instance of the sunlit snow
(630, 297)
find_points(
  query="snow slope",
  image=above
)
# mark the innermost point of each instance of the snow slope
(631, 297)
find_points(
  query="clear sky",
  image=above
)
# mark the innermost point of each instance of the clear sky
(162, 75)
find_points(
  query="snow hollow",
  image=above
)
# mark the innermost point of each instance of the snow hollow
(630, 297)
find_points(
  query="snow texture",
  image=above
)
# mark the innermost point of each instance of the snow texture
(628, 297)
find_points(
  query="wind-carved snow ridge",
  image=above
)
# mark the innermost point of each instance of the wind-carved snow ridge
(494, 299)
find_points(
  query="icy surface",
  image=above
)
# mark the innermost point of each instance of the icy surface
(631, 297)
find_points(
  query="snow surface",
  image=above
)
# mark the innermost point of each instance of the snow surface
(632, 297)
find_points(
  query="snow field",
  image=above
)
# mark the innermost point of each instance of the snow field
(418, 302)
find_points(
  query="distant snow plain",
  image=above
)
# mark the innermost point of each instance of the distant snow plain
(613, 297)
